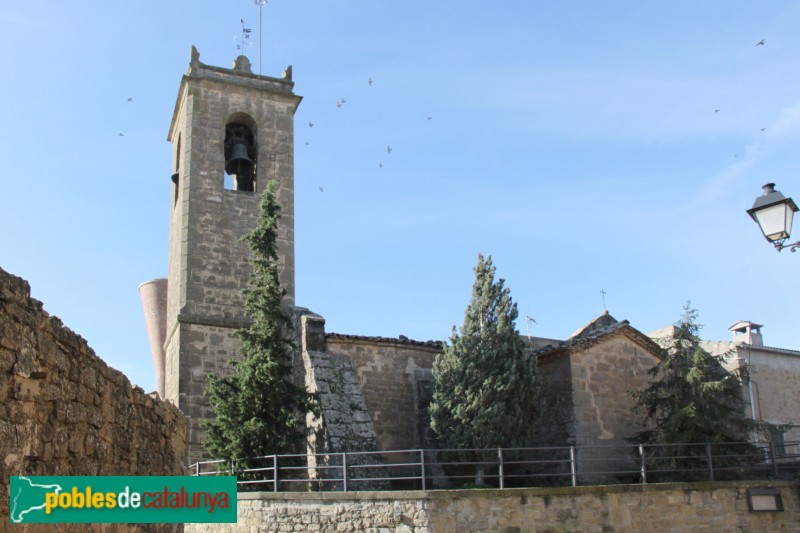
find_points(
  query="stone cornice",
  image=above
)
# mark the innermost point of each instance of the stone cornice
(432, 346)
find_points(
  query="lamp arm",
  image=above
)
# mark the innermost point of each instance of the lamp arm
(793, 247)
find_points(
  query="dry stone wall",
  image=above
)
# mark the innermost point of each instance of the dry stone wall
(63, 411)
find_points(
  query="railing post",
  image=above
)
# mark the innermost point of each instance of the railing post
(710, 465)
(422, 466)
(274, 473)
(344, 471)
(572, 466)
(197, 468)
(500, 467)
(772, 454)
(643, 468)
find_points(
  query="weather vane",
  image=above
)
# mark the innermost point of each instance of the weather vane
(529, 320)
(245, 37)
(260, 4)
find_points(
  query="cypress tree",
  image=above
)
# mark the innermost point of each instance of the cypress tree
(694, 399)
(486, 389)
(258, 410)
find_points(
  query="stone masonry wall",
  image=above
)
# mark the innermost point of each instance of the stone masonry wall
(672, 508)
(603, 378)
(386, 374)
(206, 349)
(556, 423)
(776, 388)
(346, 422)
(63, 411)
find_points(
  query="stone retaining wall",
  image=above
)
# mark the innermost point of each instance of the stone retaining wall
(63, 411)
(673, 508)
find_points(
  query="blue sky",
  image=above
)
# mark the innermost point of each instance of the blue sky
(584, 145)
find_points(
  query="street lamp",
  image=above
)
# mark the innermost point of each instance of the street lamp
(773, 212)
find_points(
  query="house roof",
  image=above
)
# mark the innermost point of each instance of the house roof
(600, 323)
(785, 351)
(592, 333)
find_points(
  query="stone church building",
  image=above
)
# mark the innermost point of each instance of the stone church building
(232, 131)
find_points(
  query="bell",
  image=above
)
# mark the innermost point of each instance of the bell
(240, 162)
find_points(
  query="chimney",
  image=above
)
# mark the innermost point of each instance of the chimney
(747, 332)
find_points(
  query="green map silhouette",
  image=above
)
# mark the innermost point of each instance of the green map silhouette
(28, 498)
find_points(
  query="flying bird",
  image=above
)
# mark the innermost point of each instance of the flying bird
(339, 105)
(716, 111)
(310, 124)
(430, 118)
(307, 143)
(762, 129)
(322, 189)
(344, 101)
(121, 134)
(380, 165)
(760, 43)
(370, 82)
(389, 149)
(130, 99)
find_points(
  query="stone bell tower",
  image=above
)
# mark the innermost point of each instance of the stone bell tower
(232, 131)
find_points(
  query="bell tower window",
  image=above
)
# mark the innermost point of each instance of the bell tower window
(177, 175)
(240, 157)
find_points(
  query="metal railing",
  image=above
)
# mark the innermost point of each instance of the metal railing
(511, 467)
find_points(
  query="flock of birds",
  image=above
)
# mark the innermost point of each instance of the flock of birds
(341, 102)
(339, 105)
(120, 133)
(759, 43)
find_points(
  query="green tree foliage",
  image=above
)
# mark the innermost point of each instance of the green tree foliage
(694, 399)
(486, 389)
(258, 410)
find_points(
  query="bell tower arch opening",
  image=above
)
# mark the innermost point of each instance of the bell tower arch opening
(241, 153)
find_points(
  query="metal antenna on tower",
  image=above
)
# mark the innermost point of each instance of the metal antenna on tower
(603, 292)
(260, 4)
